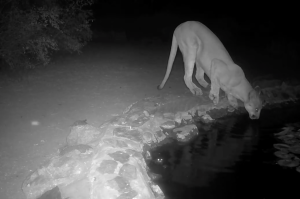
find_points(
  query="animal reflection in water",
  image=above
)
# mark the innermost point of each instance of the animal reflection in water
(215, 150)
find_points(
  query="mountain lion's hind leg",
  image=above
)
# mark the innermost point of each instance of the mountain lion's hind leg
(189, 63)
(200, 75)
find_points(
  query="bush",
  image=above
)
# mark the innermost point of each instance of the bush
(29, 33)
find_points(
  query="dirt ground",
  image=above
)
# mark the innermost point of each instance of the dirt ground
(36, 113)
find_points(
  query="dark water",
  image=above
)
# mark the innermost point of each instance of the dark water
(233, 158)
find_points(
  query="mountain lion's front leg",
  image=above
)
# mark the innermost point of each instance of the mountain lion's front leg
(233, 102)
(217, 68)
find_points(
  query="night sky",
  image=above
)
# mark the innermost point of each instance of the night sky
(249, 25)
(199, 8)
(278, 17)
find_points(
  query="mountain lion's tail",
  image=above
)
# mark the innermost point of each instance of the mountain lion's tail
(170, 62)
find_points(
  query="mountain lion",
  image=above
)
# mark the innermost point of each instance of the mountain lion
(200, 45)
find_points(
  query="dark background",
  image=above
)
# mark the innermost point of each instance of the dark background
(264, 34)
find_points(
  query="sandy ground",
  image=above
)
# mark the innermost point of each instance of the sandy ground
(36, 113)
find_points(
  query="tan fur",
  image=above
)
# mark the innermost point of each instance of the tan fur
(202, 47)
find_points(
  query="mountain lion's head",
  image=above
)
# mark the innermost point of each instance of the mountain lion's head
(254, 104)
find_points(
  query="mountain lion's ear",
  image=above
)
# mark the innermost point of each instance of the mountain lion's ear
(258, 90)
(264, 103)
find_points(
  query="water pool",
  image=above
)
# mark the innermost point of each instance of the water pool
(232, 158)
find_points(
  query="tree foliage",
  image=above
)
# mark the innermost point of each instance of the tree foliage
(31, 30)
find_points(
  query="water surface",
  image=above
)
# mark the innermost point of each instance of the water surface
(233, 158)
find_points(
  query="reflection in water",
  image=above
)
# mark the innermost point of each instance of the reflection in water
(224, 161)
(213, 151)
